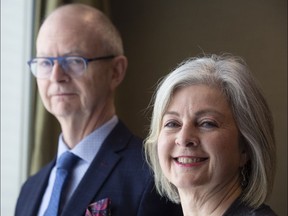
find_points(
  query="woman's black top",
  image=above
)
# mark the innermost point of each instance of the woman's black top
(239, 208)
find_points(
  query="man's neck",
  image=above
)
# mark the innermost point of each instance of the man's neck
(77, 128)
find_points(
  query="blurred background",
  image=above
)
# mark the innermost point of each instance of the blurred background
(157, 36)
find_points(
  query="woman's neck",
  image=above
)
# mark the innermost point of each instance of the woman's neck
(203, 202)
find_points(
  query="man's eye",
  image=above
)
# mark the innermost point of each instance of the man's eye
(74, 61)
(44, 63)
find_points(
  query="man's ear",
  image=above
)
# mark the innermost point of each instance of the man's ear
(120, 64)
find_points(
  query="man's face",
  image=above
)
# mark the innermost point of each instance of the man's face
(63, 95)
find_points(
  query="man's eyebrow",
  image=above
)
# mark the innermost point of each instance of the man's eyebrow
(70, 53)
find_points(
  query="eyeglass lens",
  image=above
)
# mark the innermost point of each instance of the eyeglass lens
(42, 67)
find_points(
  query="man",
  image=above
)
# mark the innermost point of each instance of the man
(79, 65)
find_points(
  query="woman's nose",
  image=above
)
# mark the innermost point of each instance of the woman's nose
(187, 136)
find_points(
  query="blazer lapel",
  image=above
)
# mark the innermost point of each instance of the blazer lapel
(37, 190)
(99, 170)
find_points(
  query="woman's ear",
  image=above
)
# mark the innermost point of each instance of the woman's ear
(243, 158)
(120, 64)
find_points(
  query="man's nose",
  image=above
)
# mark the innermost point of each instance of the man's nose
(58, 73)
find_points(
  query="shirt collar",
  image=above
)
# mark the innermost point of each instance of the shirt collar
(88, 147)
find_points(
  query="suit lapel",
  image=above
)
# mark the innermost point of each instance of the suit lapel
(99, 170)
(36, 193)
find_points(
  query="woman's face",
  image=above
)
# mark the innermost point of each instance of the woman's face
(198, 144)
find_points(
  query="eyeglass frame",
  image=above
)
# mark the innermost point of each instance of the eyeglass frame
(61, 58)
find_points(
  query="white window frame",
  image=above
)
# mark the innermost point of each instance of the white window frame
(16, 98)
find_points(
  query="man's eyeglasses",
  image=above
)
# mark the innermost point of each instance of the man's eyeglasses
(75, 66)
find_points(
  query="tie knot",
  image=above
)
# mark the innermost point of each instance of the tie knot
(67, 161)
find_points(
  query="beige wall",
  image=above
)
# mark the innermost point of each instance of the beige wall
(159, 34)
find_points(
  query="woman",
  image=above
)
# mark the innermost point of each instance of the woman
(211, 141)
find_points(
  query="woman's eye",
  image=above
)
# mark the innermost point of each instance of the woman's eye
(172, 124)
(208, 124)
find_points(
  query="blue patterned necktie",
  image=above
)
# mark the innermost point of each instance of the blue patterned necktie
(64, 167)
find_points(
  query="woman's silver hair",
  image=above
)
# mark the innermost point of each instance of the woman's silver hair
(252, 115)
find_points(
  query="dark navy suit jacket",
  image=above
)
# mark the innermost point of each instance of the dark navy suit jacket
(118, 172)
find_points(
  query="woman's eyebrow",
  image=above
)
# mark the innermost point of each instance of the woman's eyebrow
(208, 111)
(171, 113)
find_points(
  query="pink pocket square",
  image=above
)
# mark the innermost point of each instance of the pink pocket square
(99, 208)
